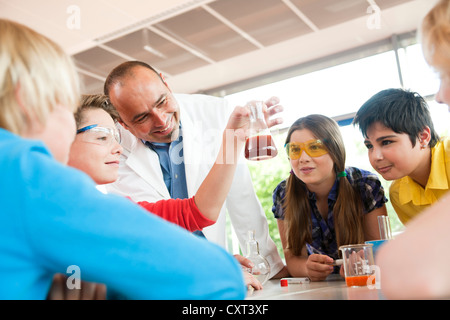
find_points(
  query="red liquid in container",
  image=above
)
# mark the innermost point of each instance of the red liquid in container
(260, 148)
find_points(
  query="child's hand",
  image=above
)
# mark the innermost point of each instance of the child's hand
(319, 266)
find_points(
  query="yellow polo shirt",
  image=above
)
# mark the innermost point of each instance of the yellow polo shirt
(409, 198)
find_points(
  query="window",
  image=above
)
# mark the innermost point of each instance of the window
(334, 91)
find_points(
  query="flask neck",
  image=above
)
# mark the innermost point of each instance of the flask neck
(252, 244)
(256, 112)
(252, 248)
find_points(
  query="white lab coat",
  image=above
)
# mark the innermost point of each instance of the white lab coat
(203, 119)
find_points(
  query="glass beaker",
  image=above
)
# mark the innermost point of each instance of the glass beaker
(384, 226)
(358, 264)
(261, 268)
(259, 144)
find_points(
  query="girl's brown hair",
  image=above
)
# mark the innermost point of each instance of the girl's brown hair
(347, 210)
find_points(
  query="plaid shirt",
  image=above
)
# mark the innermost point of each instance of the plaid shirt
(323, 232)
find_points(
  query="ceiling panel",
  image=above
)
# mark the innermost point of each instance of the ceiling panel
(206, 34)
(385, 4)
(267, 21)
(145, 45)
(97, 60)
(326, 13)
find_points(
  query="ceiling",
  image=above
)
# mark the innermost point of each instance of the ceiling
(200, 45)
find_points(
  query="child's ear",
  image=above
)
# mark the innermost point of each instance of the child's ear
(425, 137)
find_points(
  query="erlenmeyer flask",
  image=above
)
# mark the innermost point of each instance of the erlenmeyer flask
(259, 144)
(261, 269)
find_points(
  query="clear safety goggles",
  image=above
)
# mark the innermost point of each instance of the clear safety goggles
(99, 135)
(313, 148)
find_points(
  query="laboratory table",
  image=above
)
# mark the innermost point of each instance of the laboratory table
(330, 289)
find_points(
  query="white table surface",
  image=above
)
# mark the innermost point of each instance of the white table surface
(332, 289)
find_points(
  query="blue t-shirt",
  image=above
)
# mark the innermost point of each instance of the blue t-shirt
(323, 231)
(53, 217)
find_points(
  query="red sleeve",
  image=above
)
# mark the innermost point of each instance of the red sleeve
(183, 212)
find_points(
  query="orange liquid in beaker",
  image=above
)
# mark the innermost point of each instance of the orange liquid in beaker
(260, 148)
(358, 281)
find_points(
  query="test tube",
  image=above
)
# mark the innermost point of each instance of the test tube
(385, 228)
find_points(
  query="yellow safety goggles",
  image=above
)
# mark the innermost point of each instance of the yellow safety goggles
(313, 148)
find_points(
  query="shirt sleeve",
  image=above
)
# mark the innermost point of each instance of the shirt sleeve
(277, 197)
(402, 211)
(372, 192)
(183, 212)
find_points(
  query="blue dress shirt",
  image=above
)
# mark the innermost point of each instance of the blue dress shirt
(172, 165)
(171, 160)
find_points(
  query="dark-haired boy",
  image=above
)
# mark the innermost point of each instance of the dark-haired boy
(403, 146)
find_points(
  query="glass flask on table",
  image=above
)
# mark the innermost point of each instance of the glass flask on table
(261, 268)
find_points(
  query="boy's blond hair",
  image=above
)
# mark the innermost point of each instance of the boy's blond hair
(95, 101)
(435, 35)
(35, 76)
